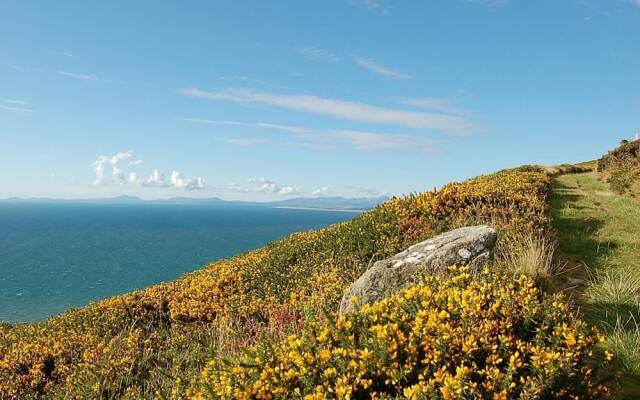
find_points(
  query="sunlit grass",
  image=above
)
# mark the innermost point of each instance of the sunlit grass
(598, 234)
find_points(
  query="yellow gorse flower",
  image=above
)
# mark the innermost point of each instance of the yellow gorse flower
(442, 339)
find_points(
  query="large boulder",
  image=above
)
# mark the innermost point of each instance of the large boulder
(472, 245)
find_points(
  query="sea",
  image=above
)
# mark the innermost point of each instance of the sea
(61, 255)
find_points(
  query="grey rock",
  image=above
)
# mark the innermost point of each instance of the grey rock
(472, 245)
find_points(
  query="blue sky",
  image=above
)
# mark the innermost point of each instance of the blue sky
(262, 100)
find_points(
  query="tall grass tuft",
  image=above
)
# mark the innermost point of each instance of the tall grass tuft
(533, 256)
(624, 342)
(618, 288)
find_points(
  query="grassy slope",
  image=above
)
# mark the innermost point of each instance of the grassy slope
(598, 233)
(144, 343)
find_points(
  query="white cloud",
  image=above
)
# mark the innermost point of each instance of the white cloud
(368, 141)
(634, 2)
(442, 105)
(336, 139)
(371, 65)
(16, 109)
(349, 110)
(319, 54)
(13, 105)
(268, 186)
(247, 142)
(235, 187)
(264, 125)
(101, 164)
(79, 76)
(156, 179)
(108, 171)
(263, 185)
(180, 182)
(288, 189)
(322, 191)
(15, 102)
(132, 177)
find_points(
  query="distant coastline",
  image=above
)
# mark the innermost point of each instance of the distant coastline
(322, 209)
(353, 205)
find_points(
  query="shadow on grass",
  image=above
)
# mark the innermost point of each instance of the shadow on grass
(612, 316)
(577, 235)
(578, 220)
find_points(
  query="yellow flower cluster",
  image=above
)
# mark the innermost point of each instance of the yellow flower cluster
(513, 200)
(473, 338)
(269, 290)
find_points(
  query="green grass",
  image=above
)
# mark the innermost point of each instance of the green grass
(599, 236)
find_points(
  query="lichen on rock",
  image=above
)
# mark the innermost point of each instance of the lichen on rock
(472, 245)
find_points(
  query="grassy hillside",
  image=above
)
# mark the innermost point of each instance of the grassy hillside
(140, 344)
(262, 324)
(598, 233)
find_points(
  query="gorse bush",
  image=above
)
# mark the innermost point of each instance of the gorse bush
(465, 337)
(622, 166)
(137, 345)
(626, 149)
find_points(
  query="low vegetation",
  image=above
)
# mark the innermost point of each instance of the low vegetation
(579, 168)
(597, 233)
(621, 168)
(148, 343)
(534, 258)
(491, 337)
(264, 324)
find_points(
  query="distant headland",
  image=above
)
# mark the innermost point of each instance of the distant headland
(309, 203)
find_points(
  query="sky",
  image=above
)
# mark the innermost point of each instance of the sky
(263, 100)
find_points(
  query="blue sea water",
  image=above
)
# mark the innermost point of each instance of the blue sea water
(56, 256)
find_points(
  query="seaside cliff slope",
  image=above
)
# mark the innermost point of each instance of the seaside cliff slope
(157, 342)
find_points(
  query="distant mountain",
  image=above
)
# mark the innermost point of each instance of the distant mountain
(334, 203)
(329, 203)
(188, 200)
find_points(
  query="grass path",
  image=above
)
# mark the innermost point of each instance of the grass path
(599, 236)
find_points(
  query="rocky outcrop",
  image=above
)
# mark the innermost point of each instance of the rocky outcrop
(471, 245)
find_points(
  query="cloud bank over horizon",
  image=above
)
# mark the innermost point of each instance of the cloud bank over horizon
(156, 179)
